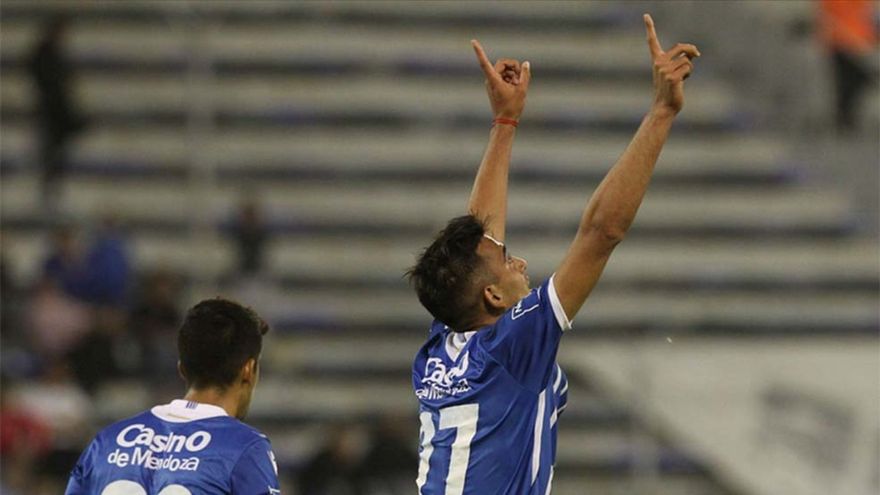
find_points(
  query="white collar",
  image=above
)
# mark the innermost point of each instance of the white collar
(183, 411)
(455, 342)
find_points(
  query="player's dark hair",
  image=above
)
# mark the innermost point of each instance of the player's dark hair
(216, 339)
(446, 275)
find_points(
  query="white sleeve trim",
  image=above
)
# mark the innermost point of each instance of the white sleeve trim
(558, 311)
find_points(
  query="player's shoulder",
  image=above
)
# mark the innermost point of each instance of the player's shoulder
(111, 434)
(251, 435)
(231, 432)
(141, 418)
(539, 309)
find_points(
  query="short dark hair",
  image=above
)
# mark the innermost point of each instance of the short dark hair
(446, 273)
(216, 339)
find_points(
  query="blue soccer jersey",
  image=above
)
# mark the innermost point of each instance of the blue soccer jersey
(489, 400)
(181, 448)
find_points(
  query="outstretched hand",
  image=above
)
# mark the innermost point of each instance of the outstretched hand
(671, 68)
(506, 83)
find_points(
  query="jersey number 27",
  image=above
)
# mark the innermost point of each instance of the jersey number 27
(464, 419)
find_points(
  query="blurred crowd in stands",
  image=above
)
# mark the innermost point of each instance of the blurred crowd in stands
(848, 31)
(92, 318)
(88, 318)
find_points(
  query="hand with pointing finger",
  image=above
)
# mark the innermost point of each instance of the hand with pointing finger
(506, 84)
(671, 68)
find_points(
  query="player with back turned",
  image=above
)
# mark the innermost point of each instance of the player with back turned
(489, 388)
(196, 445)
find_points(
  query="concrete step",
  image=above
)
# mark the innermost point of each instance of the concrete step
(549, 208)
(98, 42)
(370, 154)
(106, 96)
(424, 12)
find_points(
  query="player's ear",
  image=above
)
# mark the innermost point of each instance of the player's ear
(248, 372)
(181, 372)
(493, 298)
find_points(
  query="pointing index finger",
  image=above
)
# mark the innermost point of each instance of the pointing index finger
(653, 43)
(487, 66)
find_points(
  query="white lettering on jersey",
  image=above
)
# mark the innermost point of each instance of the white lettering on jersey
(441, 382)
(139, 434)
(144, 457)
(138, 443)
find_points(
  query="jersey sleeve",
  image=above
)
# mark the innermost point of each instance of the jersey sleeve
(256, 472)
(526, 338)
(80, 481)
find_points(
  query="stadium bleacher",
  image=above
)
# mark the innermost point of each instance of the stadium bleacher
(358, 126)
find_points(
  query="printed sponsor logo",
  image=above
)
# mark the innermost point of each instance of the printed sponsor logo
(518, 310)
(147, 459)
(138, 434)
(156, 452)
(442, 382)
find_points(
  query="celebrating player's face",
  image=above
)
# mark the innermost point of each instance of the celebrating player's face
(509, 272)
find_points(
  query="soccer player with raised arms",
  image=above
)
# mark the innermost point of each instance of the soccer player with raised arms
(196, 445)
(489, 388)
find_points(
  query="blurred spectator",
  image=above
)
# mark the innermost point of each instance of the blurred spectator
(99, 355)
(108, 266)
(16, 338)
(57, 322)
(848, 31)
(392, 458)
(250, 235)
(25, 440)
(6, 287)
(360, 461)
(337, 469)
(21, 433)
(57, 118)
(9, 305)
(56, 399)
(154, 322)
(58, 403)
(100, 275)
(66, 265)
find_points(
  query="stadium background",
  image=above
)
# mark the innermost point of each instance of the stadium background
(296, 156)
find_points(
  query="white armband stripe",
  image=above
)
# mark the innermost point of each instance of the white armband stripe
(558, 311)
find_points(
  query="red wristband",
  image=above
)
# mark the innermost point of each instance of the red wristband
(501, 120)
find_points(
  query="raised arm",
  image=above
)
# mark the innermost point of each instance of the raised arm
(506, 84)
(614, 204)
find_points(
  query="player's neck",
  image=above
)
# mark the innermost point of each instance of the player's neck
(224, 399)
